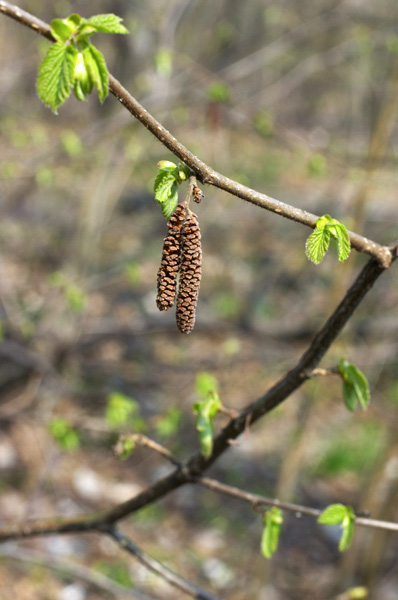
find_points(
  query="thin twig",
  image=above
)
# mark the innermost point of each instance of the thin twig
(143, 440)
(74, 570)
(156, 567)
(256, 500)
(204, 173)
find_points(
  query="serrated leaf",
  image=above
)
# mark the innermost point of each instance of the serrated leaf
(55, 76)
(170, 204)
(333, 514)
(97, 70)
(273, 520)
(317, 245)
(339, 231)
(163, 185)
(107, 23)
(61, 30)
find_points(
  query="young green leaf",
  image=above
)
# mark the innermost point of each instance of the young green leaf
(348, 530)
(108, 23)
(205, 383)
(340, 233)
(318, 242)
(61, 30)
(56, 74)
(339, 514)
(95, 64)
(273, 520)
(333, 514)
(206, 411)
(317, 245)
(355, 385)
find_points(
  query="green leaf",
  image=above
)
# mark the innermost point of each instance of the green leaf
(125, 448)
(56, 74)
(339, 231)
(206, 411)
(167, 165)
(120, 409)
(183, 171)
(64, 434)
(349, 396)
(74, 20)
(348, 532)
(317, 245)
(339, 514)
(107, 23)
(355, 385)
(273, 520)
(333, 514)
(95, 64)
(169, 424)
(166, 192)
(61, 30)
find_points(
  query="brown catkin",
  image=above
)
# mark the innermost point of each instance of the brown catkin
(167, 274)
(190, 274)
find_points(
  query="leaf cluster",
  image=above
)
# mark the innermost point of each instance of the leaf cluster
(318, 242)
(73, 61)
(166, 185)
(338, 514)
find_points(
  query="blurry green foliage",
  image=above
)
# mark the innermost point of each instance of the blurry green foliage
(133, 273)
(75, 298)
(355, 386)
(231, 346)
(206, 387)
(227, 305)
(116, 571)
(44, 176)
(65, 435)
(218, 92)
(71, 143)
(168, 424)
(164, 61)
(19, 138)
(263, 123)
(123, 410)
(224, 31)
(356, 449)
(38, 134)
(10, 169)
(317, 165)
(205, 383)
(392, 44)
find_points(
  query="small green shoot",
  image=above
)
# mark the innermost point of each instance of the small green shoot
(273, 519)
(339, 514)
(73, 62)
(122, 411)
(64, 434)
(355, 386)
(206, 409)
(167, 181)
(318, 242)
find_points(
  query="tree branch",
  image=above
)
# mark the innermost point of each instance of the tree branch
(204, 173)
(257, 501)
(158, 568)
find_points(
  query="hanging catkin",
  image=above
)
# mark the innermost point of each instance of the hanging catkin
(190, 274)
(167, 274)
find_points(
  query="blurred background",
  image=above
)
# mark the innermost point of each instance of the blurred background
(296, 99)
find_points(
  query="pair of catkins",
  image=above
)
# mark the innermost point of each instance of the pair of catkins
(181, 256)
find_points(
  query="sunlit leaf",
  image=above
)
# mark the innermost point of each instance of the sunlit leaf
(56, 74)
(107, 23)
(273, 520)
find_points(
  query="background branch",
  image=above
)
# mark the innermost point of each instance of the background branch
(156, 567)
